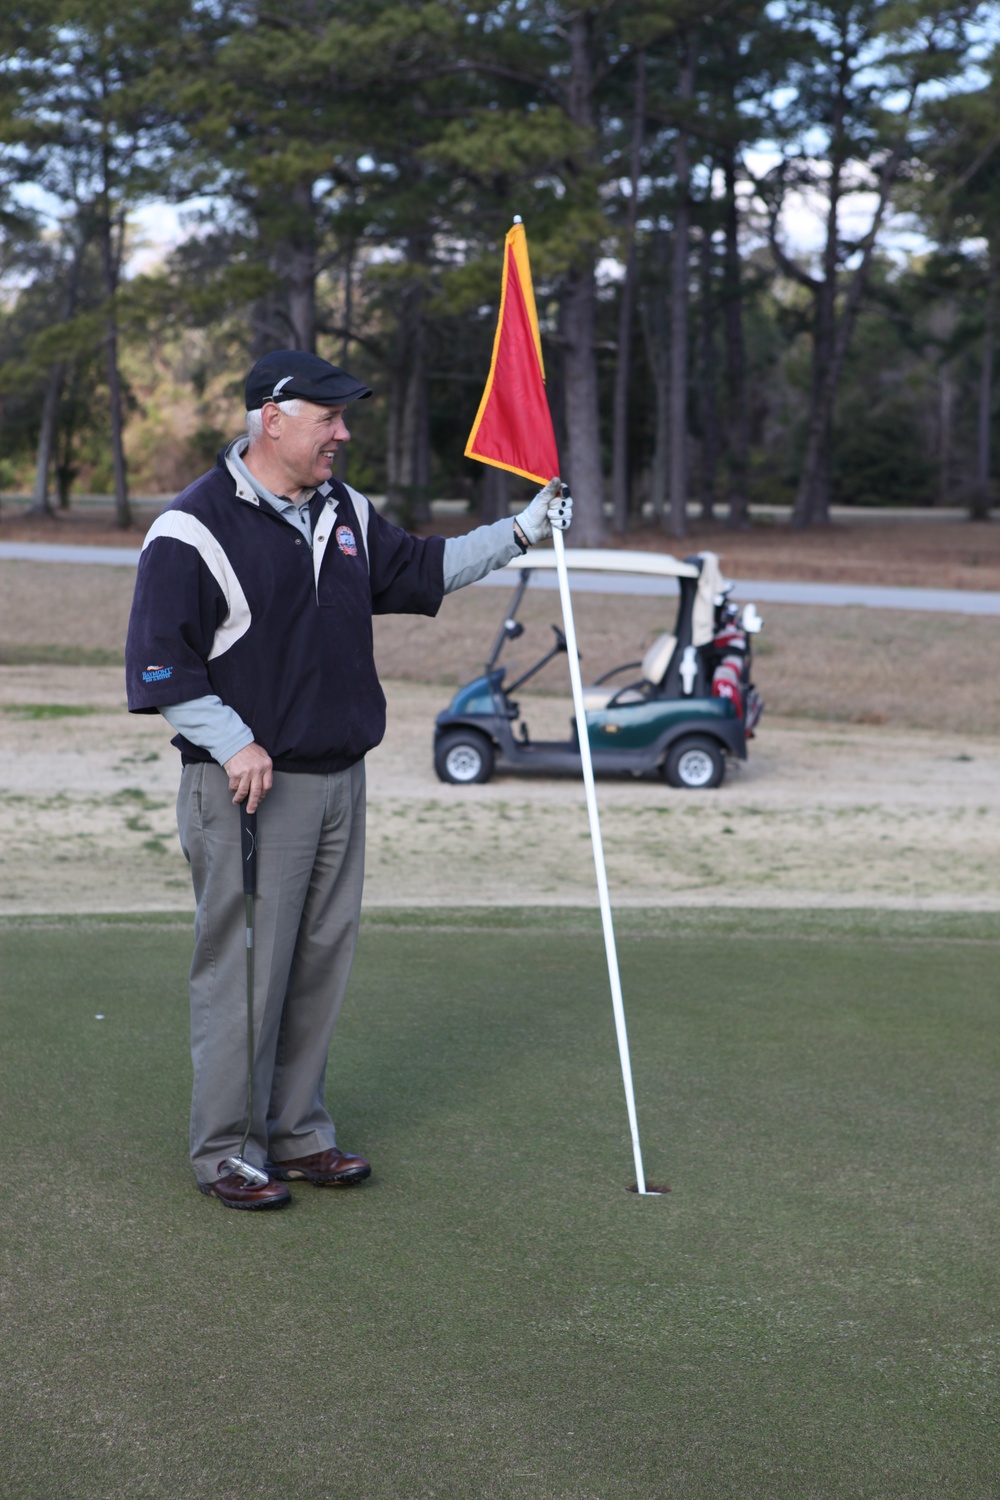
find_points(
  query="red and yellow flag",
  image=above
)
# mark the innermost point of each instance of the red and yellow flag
(513, 426)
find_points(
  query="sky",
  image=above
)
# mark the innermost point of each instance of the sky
(158, 227)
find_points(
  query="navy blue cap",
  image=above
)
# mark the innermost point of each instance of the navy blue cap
(288, 374)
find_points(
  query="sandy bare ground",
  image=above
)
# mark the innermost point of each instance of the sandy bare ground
(823, 815)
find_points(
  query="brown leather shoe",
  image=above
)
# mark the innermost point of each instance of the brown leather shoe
(330, 1168)
(235, 1192)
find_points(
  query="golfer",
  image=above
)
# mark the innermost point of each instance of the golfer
(251, 633)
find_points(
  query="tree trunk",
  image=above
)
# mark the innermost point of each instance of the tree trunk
(833, 335)
(583, 456)
(832, 341)
(654, 328)
(123, 511)
(409, 447)
(707, 382)
(812, 500)
(57, 375)
(626, 313)
(679, 311)
(66, 470)
(69, 417)
(111, 256)
(47, 440)
(737, 426)
(946, 428)
(269, 326)
(421, 502)
(554, 351)
(345, 343)
(982, 499)
(340, 462)
(301, 270)
(578, 310)
(494, 494)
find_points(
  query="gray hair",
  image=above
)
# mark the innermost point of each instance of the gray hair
(255, 421)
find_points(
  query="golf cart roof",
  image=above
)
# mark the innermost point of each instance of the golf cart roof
(596, 560)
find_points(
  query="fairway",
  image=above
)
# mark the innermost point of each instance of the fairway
(813, 1311)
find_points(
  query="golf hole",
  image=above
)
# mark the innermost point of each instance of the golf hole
(651, 1187)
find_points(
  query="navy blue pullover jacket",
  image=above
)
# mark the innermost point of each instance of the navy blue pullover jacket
(229, 599)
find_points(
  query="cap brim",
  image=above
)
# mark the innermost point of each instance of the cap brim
(321, 398)
(341, 398)
(360, 394)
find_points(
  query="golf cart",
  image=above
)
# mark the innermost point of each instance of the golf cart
(679, 712)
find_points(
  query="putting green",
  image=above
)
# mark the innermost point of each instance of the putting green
(813, 1311)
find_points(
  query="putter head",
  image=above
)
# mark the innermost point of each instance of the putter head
(254, 1176)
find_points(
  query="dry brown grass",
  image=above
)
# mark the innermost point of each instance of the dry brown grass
(851, 665)
(871, 549)
(62, 606)
(859, 666)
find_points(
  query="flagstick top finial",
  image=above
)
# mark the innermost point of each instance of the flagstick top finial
(518, 219)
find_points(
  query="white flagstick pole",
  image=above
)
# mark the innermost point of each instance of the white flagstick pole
(595, 838)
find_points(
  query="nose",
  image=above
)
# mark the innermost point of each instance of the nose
(340, 431)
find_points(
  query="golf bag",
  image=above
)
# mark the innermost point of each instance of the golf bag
(730, 655)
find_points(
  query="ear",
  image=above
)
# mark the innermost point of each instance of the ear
(271, 418)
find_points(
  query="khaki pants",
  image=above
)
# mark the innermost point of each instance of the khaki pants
(310, 871)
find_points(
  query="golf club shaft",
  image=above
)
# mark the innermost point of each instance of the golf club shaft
(248, 850)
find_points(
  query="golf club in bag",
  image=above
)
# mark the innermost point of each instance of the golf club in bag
(248, 851)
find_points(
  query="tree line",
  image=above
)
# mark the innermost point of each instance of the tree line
(354, 173)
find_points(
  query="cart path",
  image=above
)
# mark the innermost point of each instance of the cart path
(823, 815)
(765, 591)
(52, 552)
(773, 591)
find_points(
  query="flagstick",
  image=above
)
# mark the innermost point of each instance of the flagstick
(595, 838)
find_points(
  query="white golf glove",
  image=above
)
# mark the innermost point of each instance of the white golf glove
(549, 508)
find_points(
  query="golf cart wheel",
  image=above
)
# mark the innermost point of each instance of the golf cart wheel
(463, 757)
(695, 762)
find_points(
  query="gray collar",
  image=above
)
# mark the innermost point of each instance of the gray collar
(246, 481)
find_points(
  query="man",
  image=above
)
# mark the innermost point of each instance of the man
(251, 634)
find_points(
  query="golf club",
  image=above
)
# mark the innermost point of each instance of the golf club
(248, 851)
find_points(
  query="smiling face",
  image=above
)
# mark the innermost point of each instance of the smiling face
(303, 446)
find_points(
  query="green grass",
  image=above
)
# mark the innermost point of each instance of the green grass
(813, 1311)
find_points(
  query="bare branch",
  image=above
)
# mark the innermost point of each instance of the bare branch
(790, 267)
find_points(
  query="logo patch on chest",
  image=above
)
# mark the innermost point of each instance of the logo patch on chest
(346, 542)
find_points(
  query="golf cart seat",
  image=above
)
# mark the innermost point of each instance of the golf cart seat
(653, 668)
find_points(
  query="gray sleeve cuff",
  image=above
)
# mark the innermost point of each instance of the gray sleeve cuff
(209, 723)
(469, 557)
